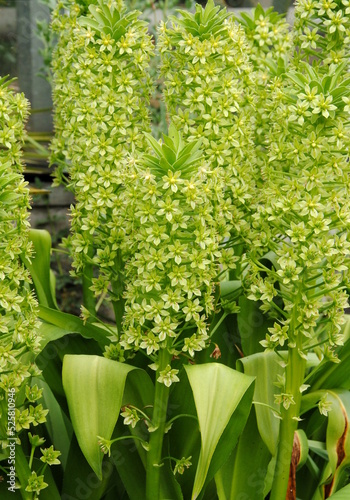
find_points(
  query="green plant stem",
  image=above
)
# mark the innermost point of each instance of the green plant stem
(40, 110)
(223, 317)
(31, 457)
(23, 473)
(295, 372)
(159, 417)
(118, 289)
(88, 296)
(137, 438)
(259, 403)
(182, 415)
(165, 9)
(118, 308)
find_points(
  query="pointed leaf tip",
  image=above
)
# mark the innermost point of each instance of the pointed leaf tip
(94, 387)
(218, 391)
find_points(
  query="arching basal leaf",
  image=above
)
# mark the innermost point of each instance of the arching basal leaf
(253, 325)
(223, 399)
(60, 324)
(39, 267)
(266, 367)
(243, 475)
(337, 441)
(94, 387)
(343, 494)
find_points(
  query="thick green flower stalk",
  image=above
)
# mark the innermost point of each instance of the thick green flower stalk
(208, 95)
(101, 98)
(19, 339)
(305, 218)
(322, 31)
(304, 213)
(172, 274)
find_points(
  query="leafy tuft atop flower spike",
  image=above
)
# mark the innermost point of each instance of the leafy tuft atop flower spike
(267, 33)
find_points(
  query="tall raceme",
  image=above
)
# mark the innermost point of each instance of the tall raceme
(64, 23)
(307, 178)
(172, 275)
(101, 96)
(269, 41)
(207, 82)
(19, 339)
(18, 320)
(306, 213)
(305, 218)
